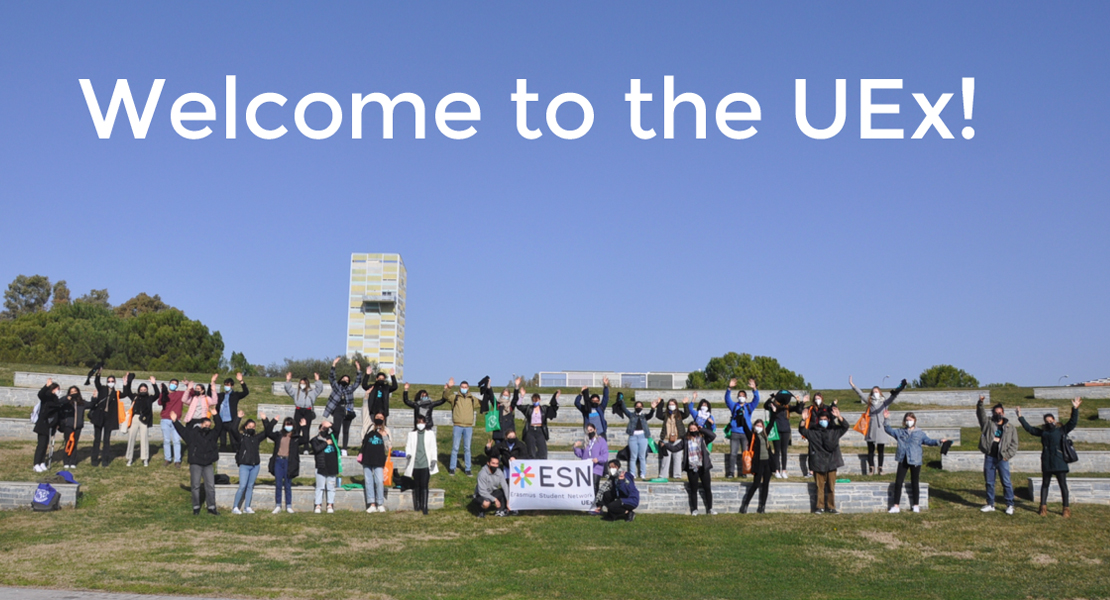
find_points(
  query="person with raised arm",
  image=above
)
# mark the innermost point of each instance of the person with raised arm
(227, 407)
(998, 441)
(1053, 463)
(823, 432)
(203, 454)
(376, 401)
(594, 449)
(697, 463)
(249, 459)
(341, 402)
(46, 423)
(739, 411)
(593, 408)
(639, 432)
(621, 498)
(71, 421)
(779, 408)
(671, 415)
(422, 405)
(536, 432)
(876, 436)
(304, 398)
(376, 446)
(172, 401)
(198, 403)
(463, 406)
(105, 417)
(142, 417)
(505, 405)
(909, 457)
(285, 461)
(328, 465)
(763, 464)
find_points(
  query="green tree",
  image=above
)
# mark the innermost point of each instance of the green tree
(61, 293)
(766, 370)
(140, 304)
(96, 298)
(945, 376)
(239, 364)
(26, 295)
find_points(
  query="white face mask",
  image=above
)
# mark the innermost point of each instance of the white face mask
(703, 411)
(759, 429)
(304, 386)
(876, 395)
(671, 407)
(420, 426)
(818, 401)
(910, 423)
(111, 385)
(612, 472)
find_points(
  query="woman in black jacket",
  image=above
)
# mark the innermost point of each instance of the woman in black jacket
(672, 415)
(422, 405)
(763, 463)
(1052, 453)
(376, 445)
(142, 417)
(47, 422)
(697, 464)
(71, 419)
(104, 414)
(779, 408)
(249, 460)
(326, 449)
(285, 462)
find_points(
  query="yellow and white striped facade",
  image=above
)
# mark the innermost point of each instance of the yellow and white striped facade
(376, 310)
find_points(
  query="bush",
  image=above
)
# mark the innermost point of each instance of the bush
(766, 371)
(945, 376)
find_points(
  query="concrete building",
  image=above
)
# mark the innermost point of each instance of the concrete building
(376, 310)
(645, 380)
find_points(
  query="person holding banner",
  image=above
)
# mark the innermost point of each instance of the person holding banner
(536, 432)
(593, 407)
(741, 410)
(490, 491)
(763, 464)
(621, 498)
(71, 421)
(422, 453)
(596, 450)
(698, 464)
(671, 416)
(824, 452)
(638, 435)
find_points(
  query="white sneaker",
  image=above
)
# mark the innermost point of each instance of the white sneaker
(236, 511)
(987, 508)
(381, 508)
(277, 510)
(317, 510)
(330, 510)
(37, 468)
(372, 509)
(693, 513)
(129, 463)
(1009, 510)
(342, 453)
(712, 512)
(249, 511)
(289, 509)
(894, 510)
(916, 508)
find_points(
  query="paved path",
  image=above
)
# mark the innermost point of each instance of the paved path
(10, 593)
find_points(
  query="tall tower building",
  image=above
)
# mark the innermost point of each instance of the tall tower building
(376, 310)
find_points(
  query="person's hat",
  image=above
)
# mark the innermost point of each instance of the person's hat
(67, 476)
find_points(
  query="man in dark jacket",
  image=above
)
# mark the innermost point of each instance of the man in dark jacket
(622, 497)
(227, 410)
(203, 454)
(104, 415)
(536, 432)
(823, 434)
(998, 443)
(377, 397)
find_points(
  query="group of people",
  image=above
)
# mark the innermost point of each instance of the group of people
(209, 419)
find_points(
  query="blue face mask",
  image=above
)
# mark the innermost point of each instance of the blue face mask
(227, 388)
(823, 422)
(464, 390)
(173, 387)
(289, 428)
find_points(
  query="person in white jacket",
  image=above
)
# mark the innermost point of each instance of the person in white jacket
(421, 450)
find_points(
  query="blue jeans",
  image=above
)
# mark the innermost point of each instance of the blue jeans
(247, 475)
(460, 433)
(282, 481)
(1002, 467)
(171, 440)
(637, 462)
(375, 485)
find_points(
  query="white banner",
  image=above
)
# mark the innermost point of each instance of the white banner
(551, 485)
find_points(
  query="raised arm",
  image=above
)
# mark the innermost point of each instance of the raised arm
(1034, 431)
(405, 398)
(1074, 420)
(864, 398)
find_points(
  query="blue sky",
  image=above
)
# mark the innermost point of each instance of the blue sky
(842, 256)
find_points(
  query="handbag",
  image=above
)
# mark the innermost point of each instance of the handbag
(1068, 449)
(493, 421)
(747, 457)
(773, 433)
(863, 422)
(387, 473)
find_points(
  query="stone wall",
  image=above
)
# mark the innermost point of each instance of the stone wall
(304, 498)
(1081, 490)
(951, 417)
(18, 494)
(797, 464)
(1026, 462)
(1101, 392)
(782, 496)
(15, 396)
(1091, 435)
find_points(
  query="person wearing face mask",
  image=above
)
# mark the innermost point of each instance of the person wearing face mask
(285, 461)
(421, 450)
(638, 435)
(463, 406)
(818, 408)
(198, 402)
(142, 417)
(593, 408)
(505, 405)
(422, 405)
(622, 498)
(876, 437)
(1052, 453)
(998, 443)
(741, 410)
(763, 464)
(823, 432)
(304, 397)
(326, 449)
(249, 459)
(172, 400)
(341, 402)
(506, 451)
(105, 417)
(703, 416)
(203, 454)
(47, 422)
(697, 464)
(70, 422)
(594, 449)
(672, 417)
(376, 446)
(490, 491)
(377, 396)
(779, 406)
(536, 432)
(909, 457)
(227, 407)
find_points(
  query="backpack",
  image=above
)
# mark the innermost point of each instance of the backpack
(35, 412)
(46, 498)
(221, 479)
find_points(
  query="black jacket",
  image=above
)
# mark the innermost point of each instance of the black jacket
(373, 449)
(680, 414)
(703, 440)
(105, 407)
(141, 404)
(422, 406)
(327, 456)
(762, 449)
(377, 394)
(71, 414)
(551, 411)
(506, 420)
(1052, 443)
(781, 415)
(248, 453)
(502, 451)
(233, 397)
(824, 444)
(295, 443)
(49, 411)
(202, 442)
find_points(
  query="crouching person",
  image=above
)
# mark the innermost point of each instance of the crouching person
(490, 492)
(326, 450)
(200, 438)
(622, 497)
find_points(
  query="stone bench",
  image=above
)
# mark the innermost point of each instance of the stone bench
(1090, 435)
(304, 498)
(351, 467)
(1104, 414)
(18, 494)
(1093, 392)
(933, 397)
(16, 396)
(1026, 462)
(782, 496)
(952, 417)
(1081, 490)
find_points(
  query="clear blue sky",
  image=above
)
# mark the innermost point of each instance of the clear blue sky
(843, 256)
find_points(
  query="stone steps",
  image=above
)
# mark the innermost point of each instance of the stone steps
(1081, 490)
(1093, 392)
(797, 464)
(16, 396)
(782, 496)
(963, 398)
(1026, 462)
(18, 494)
(304, 499)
